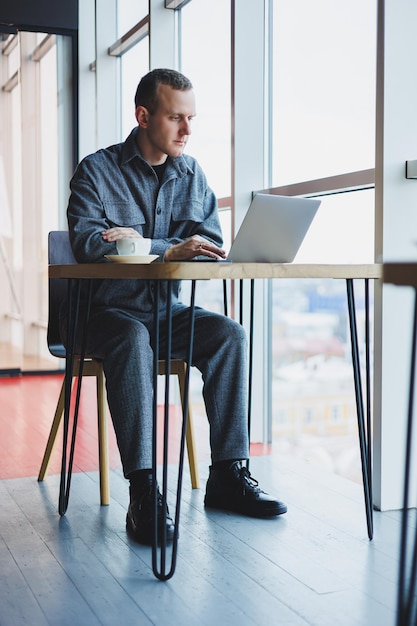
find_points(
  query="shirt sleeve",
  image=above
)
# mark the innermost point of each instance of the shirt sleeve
(87, 218)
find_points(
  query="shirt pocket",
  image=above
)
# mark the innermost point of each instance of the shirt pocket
(124, 214)
(188, 211)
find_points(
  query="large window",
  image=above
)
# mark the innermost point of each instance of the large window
(36, 150)
(324, 74)
(323, 119)
(342, 230)
(317, 65)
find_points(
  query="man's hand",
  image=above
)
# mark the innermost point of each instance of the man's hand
(119, 232)
(192, 247)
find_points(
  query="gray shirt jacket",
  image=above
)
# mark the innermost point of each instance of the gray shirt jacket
(117, 187)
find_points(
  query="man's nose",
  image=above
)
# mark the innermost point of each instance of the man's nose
(186, 128)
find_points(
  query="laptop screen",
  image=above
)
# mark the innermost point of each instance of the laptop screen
(273, 229)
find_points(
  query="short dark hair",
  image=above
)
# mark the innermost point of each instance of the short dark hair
(146, 93)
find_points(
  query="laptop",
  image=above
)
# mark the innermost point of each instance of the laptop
(273, 229)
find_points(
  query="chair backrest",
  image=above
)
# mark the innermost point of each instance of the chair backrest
(59, 253)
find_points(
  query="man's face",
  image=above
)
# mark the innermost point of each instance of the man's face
(168, 128)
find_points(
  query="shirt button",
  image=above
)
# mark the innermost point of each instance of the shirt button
(159, 210)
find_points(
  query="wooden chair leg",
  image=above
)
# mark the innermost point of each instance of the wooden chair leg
(102, 431)
(190, 438)
(103, 445)
(179, 369)
(56, 422)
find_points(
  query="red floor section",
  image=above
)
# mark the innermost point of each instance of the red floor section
(27, 406)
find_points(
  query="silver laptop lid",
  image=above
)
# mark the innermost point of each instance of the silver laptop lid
(273, 229)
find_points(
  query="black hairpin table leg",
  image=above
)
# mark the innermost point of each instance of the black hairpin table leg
(407, 609)
(364, 429)
(72, 328)
(250, 355)
(160, 570)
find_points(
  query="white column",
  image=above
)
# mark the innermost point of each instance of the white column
(396, 236)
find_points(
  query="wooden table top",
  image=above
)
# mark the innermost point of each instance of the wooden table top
(206, 270)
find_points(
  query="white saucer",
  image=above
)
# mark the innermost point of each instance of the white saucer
(119, 258)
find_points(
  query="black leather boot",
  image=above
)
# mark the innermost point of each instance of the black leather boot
(140, 515)
(234, 489)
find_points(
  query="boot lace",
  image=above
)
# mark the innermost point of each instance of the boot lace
(249, 484)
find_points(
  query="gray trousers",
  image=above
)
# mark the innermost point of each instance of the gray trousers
(122, 341)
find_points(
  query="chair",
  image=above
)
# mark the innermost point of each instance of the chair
(60, 252)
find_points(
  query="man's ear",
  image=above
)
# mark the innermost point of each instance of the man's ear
(142, 116)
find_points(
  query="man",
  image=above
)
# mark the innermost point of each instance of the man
(146, 187)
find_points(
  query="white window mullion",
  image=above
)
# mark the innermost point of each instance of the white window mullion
(248, 75)
(106, 75)
(163, 41)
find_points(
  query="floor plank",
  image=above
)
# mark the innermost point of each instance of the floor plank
(18, 604)
(310, 567)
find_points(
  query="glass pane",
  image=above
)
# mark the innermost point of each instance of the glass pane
(134, 64)
(13, 61)
(205, 54)
(313, 398)
(324, 69)
(48, 169)
(37, 149)
(129, 13)
(342, 231)
(313, 401)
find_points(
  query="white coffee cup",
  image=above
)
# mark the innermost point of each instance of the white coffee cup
(133, 246)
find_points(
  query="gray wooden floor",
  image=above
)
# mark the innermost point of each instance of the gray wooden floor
(314, 565)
